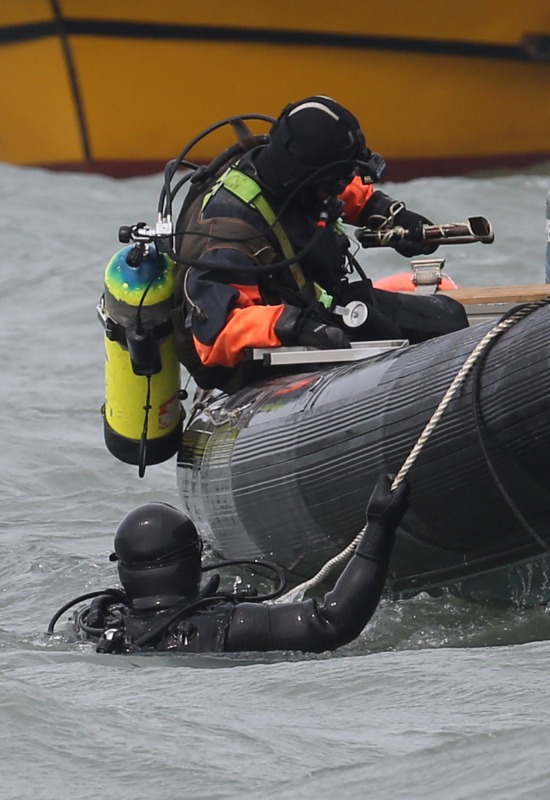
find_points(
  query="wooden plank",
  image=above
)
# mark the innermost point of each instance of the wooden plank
(499, 294)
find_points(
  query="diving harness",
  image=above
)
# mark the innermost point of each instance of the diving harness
(109, 620)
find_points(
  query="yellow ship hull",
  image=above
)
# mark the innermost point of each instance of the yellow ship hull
(119, 88)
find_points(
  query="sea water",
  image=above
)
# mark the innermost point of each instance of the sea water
(437, 698)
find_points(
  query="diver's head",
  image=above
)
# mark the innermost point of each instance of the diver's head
(158, 551)
(315, 139)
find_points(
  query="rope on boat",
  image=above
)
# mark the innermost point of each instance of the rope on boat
(507, 321)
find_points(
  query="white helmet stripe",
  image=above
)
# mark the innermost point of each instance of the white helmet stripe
(318, 106)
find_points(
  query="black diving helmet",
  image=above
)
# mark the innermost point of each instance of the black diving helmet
(158, 551)
(319, 142)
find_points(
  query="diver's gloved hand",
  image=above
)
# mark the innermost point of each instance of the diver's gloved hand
(381, 207)
(413, 222)
(386, 506)
(297, 327)
(385, 510)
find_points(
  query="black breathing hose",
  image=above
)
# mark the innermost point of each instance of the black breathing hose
(117, 595)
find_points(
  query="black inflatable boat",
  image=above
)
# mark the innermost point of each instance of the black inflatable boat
(283, 468)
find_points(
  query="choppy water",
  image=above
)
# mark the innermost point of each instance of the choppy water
(438, 698)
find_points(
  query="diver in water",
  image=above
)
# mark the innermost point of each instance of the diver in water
(162, 606)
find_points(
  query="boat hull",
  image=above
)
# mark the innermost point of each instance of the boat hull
(439, 91)
(284, 469)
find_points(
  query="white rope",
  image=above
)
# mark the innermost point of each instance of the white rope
(299, 591)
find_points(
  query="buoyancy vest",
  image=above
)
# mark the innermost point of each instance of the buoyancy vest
(207, 234)
(200, 631)
(250, 192)
(239, 235)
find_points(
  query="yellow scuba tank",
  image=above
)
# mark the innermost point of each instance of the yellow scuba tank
(142, 413)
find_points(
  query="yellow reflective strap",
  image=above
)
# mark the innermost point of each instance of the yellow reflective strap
(209, 195)
(250, 192)
(246, 189)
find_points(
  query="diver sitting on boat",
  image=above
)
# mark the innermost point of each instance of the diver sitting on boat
(162, 605)
(283, 202)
